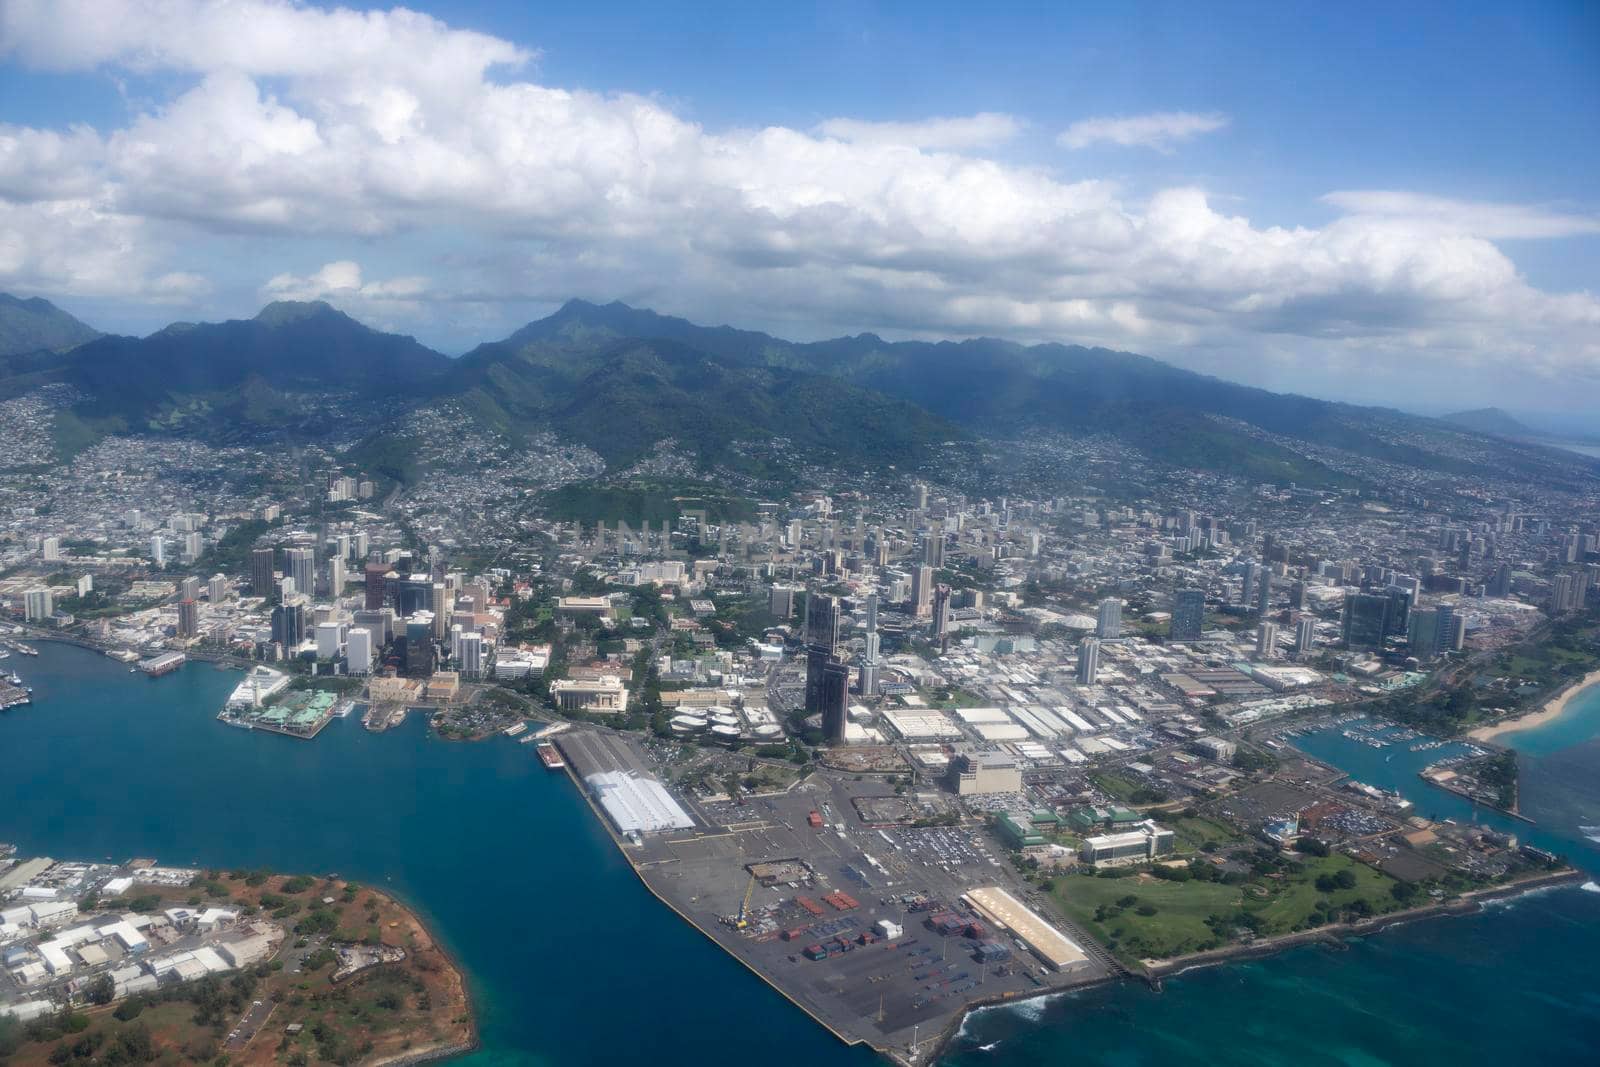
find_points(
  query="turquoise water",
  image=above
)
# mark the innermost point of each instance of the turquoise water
(1515, 984)
(572, 962)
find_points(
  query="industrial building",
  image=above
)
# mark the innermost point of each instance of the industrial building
(1000, 909)
(977, 773)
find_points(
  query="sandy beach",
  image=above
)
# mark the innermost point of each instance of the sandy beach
(1552, 710)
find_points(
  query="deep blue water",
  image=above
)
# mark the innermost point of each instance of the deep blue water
(572, 962)
(569, 959)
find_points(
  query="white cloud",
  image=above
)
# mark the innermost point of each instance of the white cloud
(289, 121)
(983, 130)
(1477, 217)
(1160, 130)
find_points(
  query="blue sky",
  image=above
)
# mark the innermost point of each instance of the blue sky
(1352, 201)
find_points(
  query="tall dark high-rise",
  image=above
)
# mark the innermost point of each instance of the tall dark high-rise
(834, 698)
(1366, 621)
(375, 574)
(261, 572)
(1188, 615)
(289, 624)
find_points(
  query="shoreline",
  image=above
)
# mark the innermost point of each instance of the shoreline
(1552, 710)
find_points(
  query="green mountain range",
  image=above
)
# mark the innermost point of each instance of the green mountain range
(622, 380)
(34, 330)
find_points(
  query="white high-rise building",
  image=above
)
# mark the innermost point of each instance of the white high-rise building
(328, 639)
(1267, 640)
(467, 651)
(158, 551)
(358, 650)
(38, 604)
(50, 548)
(218, 588)
(1305, 635)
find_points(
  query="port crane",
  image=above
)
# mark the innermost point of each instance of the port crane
(744, 906)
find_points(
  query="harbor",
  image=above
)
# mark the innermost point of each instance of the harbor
(870, 932)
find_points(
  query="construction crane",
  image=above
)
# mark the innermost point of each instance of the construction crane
(744, 907)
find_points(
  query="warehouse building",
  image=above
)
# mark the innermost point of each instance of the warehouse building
(1002, 910)
(976, 773)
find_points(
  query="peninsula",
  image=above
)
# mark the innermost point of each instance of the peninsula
(130, 963)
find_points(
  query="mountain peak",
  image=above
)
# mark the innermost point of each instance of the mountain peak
(34, 324)
(283, 312)
(1489, 420)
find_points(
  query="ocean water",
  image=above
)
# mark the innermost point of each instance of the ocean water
(1514, 984)
(571, 961)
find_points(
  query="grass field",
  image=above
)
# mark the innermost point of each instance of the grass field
(1178, 926)
(1192, 833)
(1276, 903)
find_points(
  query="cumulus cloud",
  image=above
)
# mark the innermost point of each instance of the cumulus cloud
(983, 130)
(1160, 130)
(342, 280)
(287, 121)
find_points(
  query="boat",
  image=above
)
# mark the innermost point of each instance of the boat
(515, 728)
(550, 756)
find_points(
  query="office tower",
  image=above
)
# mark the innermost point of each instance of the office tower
(1500, 585)
(336, 577)
(440, 604)
(919, 496)
(1109, 625)
(1366, 621)
(1305, 635)
(922, 591)
(1267, 640)
(289, 624)
(286, 588)
(780, 601)
(358, 650)
(261, 572)
(1264, 593)
(217, 589)
(941, 614)
(1400, 601)
(933, 549)
(1188, 615)
(379, 623)
(1297, 596)
(328, 636)
(1422, 634)
(189, 588)
(835, 697)
(1088, 660)
(817, 660)
(188, 617)
(158, 551)
(375, 576)
(1247, 591)
(38, 604)
(822, 621)
(50, 548)
(419, 651)
(301, 565)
